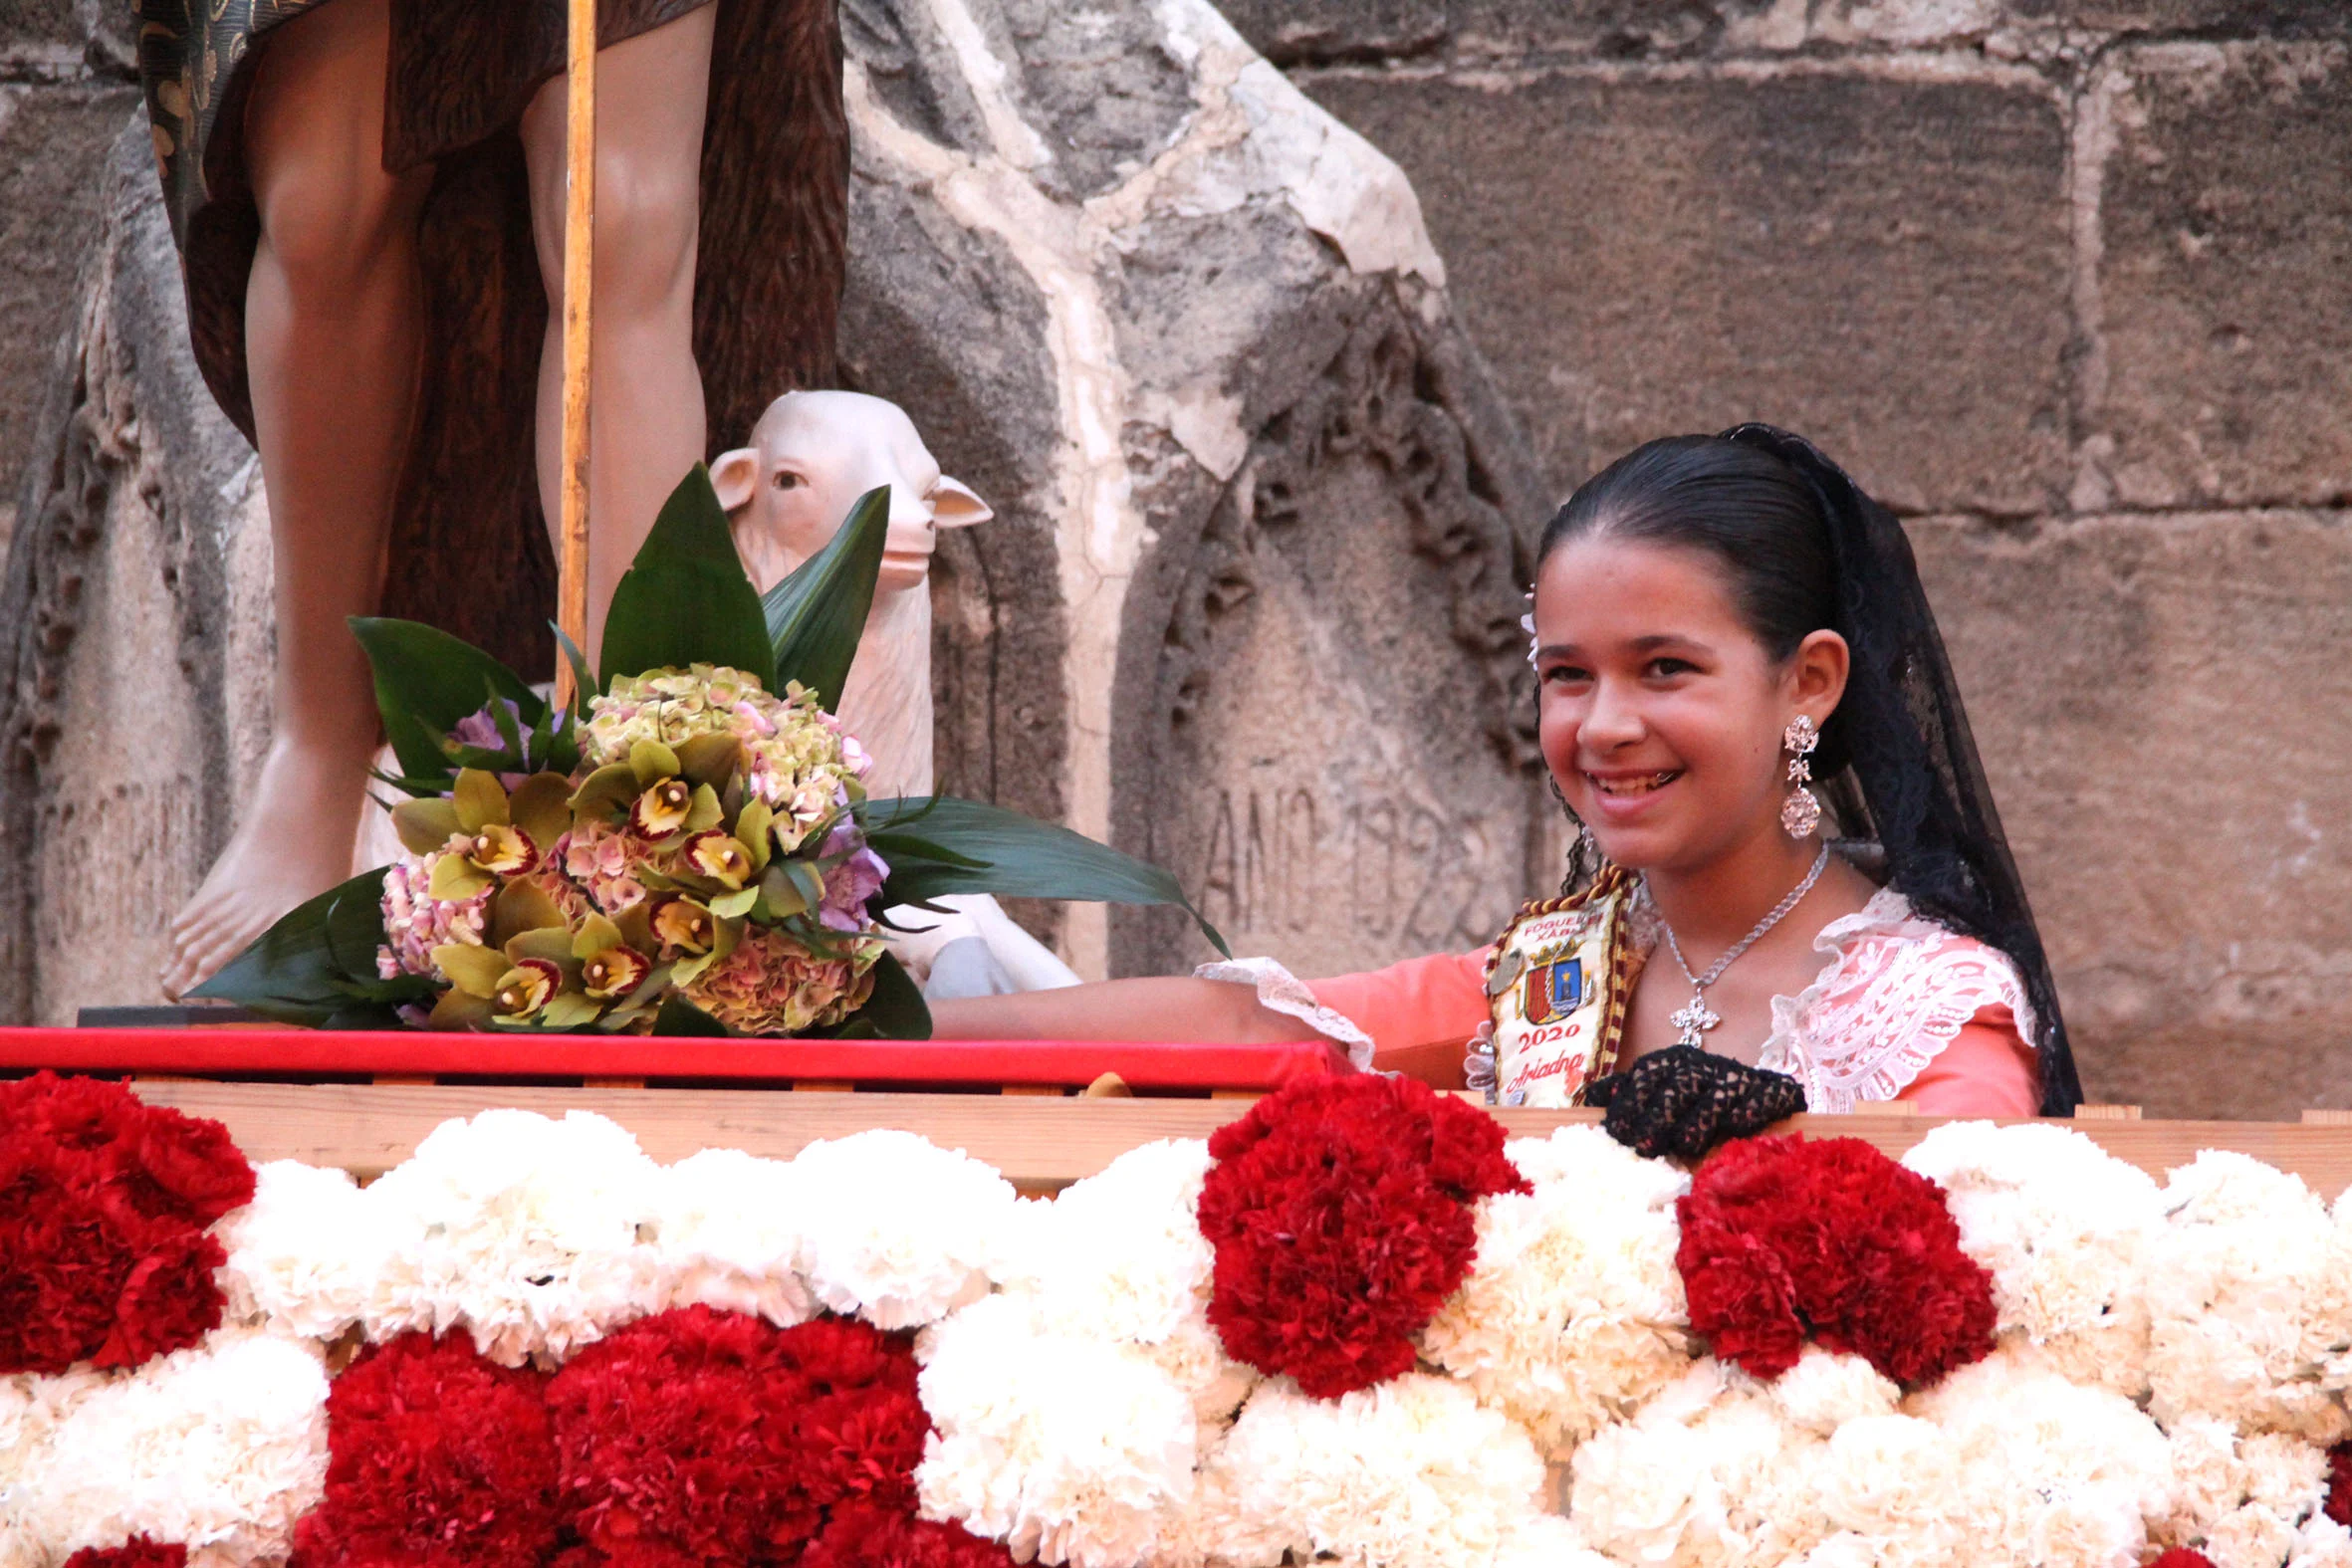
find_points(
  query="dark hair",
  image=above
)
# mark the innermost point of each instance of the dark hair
(1756, 516)
(1804, 550)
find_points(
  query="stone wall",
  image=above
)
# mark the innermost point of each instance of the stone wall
(2064, 281)
(68, 80)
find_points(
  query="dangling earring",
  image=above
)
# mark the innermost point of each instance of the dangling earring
(1800, 814)
(1584, 856)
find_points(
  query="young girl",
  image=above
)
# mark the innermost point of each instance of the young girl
(1734, 658)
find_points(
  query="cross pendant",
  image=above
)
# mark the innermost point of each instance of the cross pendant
(1692, 1019)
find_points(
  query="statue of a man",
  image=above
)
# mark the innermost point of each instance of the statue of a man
(368, 197)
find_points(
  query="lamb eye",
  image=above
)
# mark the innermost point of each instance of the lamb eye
(785, 479)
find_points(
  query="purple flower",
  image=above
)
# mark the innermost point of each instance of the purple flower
(480, 729)
(849, 885)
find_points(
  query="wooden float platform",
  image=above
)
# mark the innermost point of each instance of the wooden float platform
(362, 1101)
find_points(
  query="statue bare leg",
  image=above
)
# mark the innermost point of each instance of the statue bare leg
(649, 426)
(333, 324)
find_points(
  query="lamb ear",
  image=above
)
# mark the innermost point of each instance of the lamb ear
(734, 474)
(954, 506)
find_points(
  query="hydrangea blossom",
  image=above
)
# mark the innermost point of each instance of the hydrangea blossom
(796, 757)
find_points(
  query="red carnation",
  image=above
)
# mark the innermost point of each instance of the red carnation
(1340, 1212)
(169, 1300)
(675, 1443)
(858, 1429)
(83, 1114)
(63, 1263)
(863, 1536)
(434, 1455)
(2182, 1557)
(1785, 1239)
(137, 1552)
(184, 1168)
(104, 1202)
(2339, 1483)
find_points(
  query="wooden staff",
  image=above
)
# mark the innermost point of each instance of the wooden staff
(580, 223)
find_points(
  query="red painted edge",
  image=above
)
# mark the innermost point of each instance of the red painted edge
(985, 1063)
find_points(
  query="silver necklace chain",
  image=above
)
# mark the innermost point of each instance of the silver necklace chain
(1697, 1018)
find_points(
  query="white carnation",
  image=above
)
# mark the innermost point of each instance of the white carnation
(1119, 1257)
(2240, 1498)
(2046, 1471)
(1825, 1390)
(222, 1446)
(2064, 1229)
(727, 1227)
(1573, 1312)
(2322, 1543)
(1120, 1252)
(1707, 1473)
(303, 1254)
(1546, 1540)
(2249, 1538)
(2240, 1297)
(1412, 1472)
(1068, 1449)
(896, 1229)
(526, 1231)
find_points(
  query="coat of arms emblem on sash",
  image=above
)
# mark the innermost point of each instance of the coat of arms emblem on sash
(1555, 992)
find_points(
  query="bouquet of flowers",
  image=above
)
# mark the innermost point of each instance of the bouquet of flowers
(689, 849)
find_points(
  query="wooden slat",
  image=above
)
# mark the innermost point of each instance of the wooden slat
(1037, 1142)
(2106, 1113)
(2327, 1118)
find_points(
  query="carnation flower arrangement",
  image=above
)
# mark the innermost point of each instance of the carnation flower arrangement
(531, 1344)
(689, 850)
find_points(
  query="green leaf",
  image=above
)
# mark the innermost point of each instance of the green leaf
(685, 600)
(680, 1017)
(816, 615)
(1024, 859)
(729, 905)
(427, 680)
(317, 965)
(584, 680)
(897, 1009)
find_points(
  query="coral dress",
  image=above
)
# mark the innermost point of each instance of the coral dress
(1903, 1010)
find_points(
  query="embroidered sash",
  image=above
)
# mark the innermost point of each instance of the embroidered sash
(1557, 989)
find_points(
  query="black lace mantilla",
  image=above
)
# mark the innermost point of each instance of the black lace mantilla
(1896, 763)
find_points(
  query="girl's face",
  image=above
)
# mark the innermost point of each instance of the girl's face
(1661, 713)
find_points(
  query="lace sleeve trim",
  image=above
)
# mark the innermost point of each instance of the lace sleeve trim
(1898, 990)
(1280, 990)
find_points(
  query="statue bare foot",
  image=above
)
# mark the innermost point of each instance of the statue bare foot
(293, 843)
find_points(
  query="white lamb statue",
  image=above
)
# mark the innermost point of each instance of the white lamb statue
(812, 454)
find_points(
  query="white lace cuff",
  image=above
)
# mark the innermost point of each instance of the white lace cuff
(1280, 990)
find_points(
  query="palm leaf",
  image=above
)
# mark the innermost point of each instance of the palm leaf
(1019, 857)
(684, 600)
(816, 616)
(427, 680)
